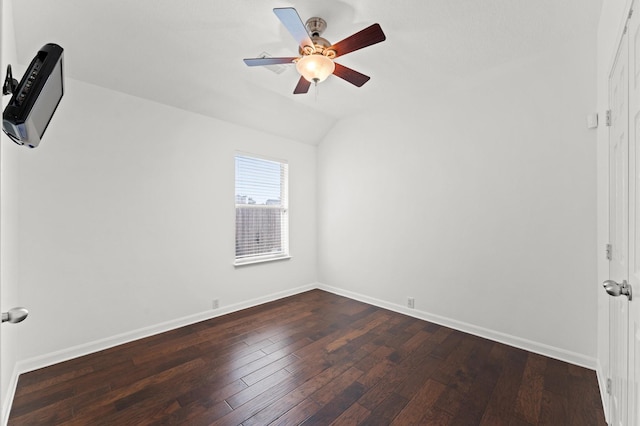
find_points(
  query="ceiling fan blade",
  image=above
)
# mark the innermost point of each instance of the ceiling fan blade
(370, 35)
(352, 76)
(292, 22)
(302, 86)
(254, 62)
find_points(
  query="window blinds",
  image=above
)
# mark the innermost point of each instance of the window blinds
(261, 191)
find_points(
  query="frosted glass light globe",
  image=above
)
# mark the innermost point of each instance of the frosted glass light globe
(315, 68)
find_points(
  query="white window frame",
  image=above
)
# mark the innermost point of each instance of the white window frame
(284, 217)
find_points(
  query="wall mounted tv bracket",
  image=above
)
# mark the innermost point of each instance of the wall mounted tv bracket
(9, 87)
(10, 84)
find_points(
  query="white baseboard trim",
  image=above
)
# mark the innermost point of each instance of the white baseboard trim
(46, 360)
(528, 345)
(602, 384)
(8, 398)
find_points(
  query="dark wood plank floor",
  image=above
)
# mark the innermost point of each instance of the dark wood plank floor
(314, 358)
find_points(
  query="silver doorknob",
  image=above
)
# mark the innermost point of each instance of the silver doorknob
(15, 315)
(615, 289)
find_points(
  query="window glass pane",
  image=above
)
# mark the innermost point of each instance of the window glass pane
(261, 208)
(258, 181)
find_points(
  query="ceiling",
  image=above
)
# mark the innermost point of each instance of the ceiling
(188, 53)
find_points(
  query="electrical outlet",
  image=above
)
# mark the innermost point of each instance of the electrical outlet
(215, 304)
(411, 302)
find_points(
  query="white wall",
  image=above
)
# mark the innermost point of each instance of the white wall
(612, 19)
(127, 222)
(8, 226)
(479, 203)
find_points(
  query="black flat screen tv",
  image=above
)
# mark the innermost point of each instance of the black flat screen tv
(35, 99)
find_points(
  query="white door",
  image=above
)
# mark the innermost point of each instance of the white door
(634, 219)
(618, 232)
(624, 228)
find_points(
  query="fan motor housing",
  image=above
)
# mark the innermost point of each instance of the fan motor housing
(316, 26)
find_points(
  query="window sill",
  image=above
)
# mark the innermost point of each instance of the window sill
(244, 262)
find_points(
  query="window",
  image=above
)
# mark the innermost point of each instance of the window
(262, 221)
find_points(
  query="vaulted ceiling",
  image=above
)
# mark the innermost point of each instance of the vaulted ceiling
(188, 53)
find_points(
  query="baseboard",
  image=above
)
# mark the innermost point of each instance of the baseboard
(8, 399)
(98, 345)
(602, 384)
(46, 360)
(528, 345)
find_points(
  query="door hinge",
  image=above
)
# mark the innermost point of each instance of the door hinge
(608, 386)
(609, 251)
(608, 118)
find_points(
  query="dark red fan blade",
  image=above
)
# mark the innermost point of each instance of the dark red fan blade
(367, 37)
(302, 86)
(254, 62)
(352, 76)
(292, 22)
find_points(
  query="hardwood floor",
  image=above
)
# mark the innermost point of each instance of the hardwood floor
(314, 358)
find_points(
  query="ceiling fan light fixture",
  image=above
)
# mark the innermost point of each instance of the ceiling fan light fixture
(315, 68)
(316, 54)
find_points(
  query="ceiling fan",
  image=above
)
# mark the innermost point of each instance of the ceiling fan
(316, 60)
